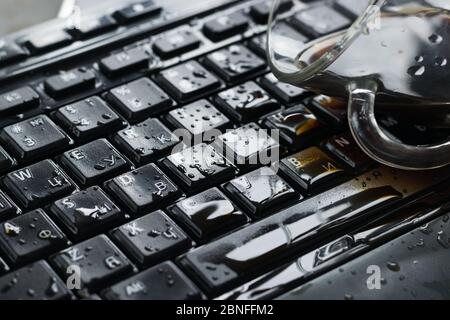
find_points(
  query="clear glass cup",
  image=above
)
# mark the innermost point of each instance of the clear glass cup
(396, 53)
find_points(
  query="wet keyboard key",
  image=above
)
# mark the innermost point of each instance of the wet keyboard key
(311, 169)
(248, 146)
(260, 12)
(17, 100)
(30, 236)
(41, 43)
(93, 26)
(172, 284)
(5, 160)
(123, 62)
(352, 8)
(38, 184)
(94, 162)
(234, 63)
(88, 118)
(200, 118)
(261, 192)
(298, 126)
(242, 255)
(225, 26)
(7, 208)
(188, 81)
(34, 138)
(139, 99)
(137, 11)
(87, 213)
(99, 260)
(175, 44)
(147, 141)
(345, 148)
(36, 281)
(151, 239)
(246, 101)
(332, 110)
(208, 214)
(144, 189)
(199, 167)
(320, 20)
(10, 53)
(70, 82)
(286, 92)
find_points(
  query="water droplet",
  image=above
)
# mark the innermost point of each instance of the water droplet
(393, 266)
(416, 71)
(435, 38)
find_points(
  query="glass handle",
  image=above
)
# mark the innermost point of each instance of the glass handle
(380, 146)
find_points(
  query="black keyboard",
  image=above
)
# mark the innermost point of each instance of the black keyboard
(96, 204)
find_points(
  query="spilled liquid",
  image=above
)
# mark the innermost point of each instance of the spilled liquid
(408, 57)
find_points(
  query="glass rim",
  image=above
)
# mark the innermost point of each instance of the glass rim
(328, 57)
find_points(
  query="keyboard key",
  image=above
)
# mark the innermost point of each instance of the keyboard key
(352, 8)
(234, 63)
(151, 239)
(188, 81)
(259, 44)
(34, 138)
(87, 212)
(207, 214)
(175, 44)
(143, 189)
(17, 100)
(140, 99)
(92, 27)
(246, 101)
(10, 53)
(3, 268)
(94, 162)
(7, 208)
(5, 160)
(260, 12)
(88, 118)
(41, 43)
(320, 20)
(225, 26)
(248, 146)
(311, 168)
(38, 184)
(199, 167)
(70, 82)
(99, 260)
(172, 284)
(330, 109)
(146, 141)
(345, 148)
(33, 282)
(244, 254)
(286, 92)
(298, 126)
(30, 236)
(124, 62)
(261, 192)
(137, 11)
(200, 118)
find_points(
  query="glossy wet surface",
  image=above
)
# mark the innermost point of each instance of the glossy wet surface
(231, 259)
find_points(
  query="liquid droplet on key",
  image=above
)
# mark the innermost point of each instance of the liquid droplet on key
(435, 38)
(416, 71)
(393, 266)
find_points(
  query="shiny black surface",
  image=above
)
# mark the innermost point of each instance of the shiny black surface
(208, 214)
(231, 259)
(254, 250)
